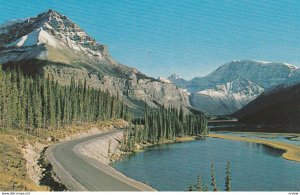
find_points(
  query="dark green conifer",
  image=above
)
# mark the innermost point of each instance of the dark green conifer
(213, 178)
(228, 177)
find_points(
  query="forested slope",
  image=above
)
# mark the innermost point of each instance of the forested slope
(29, 103)
(280, 106)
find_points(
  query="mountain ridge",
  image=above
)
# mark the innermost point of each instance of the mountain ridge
(235, 84)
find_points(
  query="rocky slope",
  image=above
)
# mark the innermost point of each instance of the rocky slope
(235, 84)
(51, 44)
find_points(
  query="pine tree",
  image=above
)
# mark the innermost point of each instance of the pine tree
(213, 178)
(228, 177)
(205, 188)
(190, 188)
(51, 103)
(38, 108)
(2, 98)
(199, 183)
(58, 109)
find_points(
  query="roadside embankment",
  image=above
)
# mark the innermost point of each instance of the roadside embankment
(14, 169)
(22, 163)
(292, 152)
(105, 149)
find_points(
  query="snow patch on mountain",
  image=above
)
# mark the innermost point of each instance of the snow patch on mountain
(290, 65)
(226, 98)
(164, 80)
(240, 89)
(36, 37)
(263, 62)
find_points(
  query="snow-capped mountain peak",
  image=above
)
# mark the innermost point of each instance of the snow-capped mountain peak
(266, 74)
(50, 29)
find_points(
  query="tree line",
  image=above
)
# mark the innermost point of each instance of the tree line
(31, 103)
(160, 124)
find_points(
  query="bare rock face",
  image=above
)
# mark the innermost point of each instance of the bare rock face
(51, 44)
(130, 89)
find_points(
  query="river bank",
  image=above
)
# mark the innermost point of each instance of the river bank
(142, 146)
(292, 152)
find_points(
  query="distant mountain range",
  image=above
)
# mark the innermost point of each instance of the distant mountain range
(51, 44)
(235, 84)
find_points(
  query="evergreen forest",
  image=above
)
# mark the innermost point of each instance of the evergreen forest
(30, 103)
(160, 124)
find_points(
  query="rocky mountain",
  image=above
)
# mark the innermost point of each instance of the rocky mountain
(235, 84)
(177, 80)
(280, 105)
(51, 44)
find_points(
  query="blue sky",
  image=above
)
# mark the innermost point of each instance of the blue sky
(187, 37)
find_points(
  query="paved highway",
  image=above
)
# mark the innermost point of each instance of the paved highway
(81, 173)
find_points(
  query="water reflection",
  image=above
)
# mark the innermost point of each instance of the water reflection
(265, 149)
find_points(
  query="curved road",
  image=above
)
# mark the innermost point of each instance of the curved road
(81, 173)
